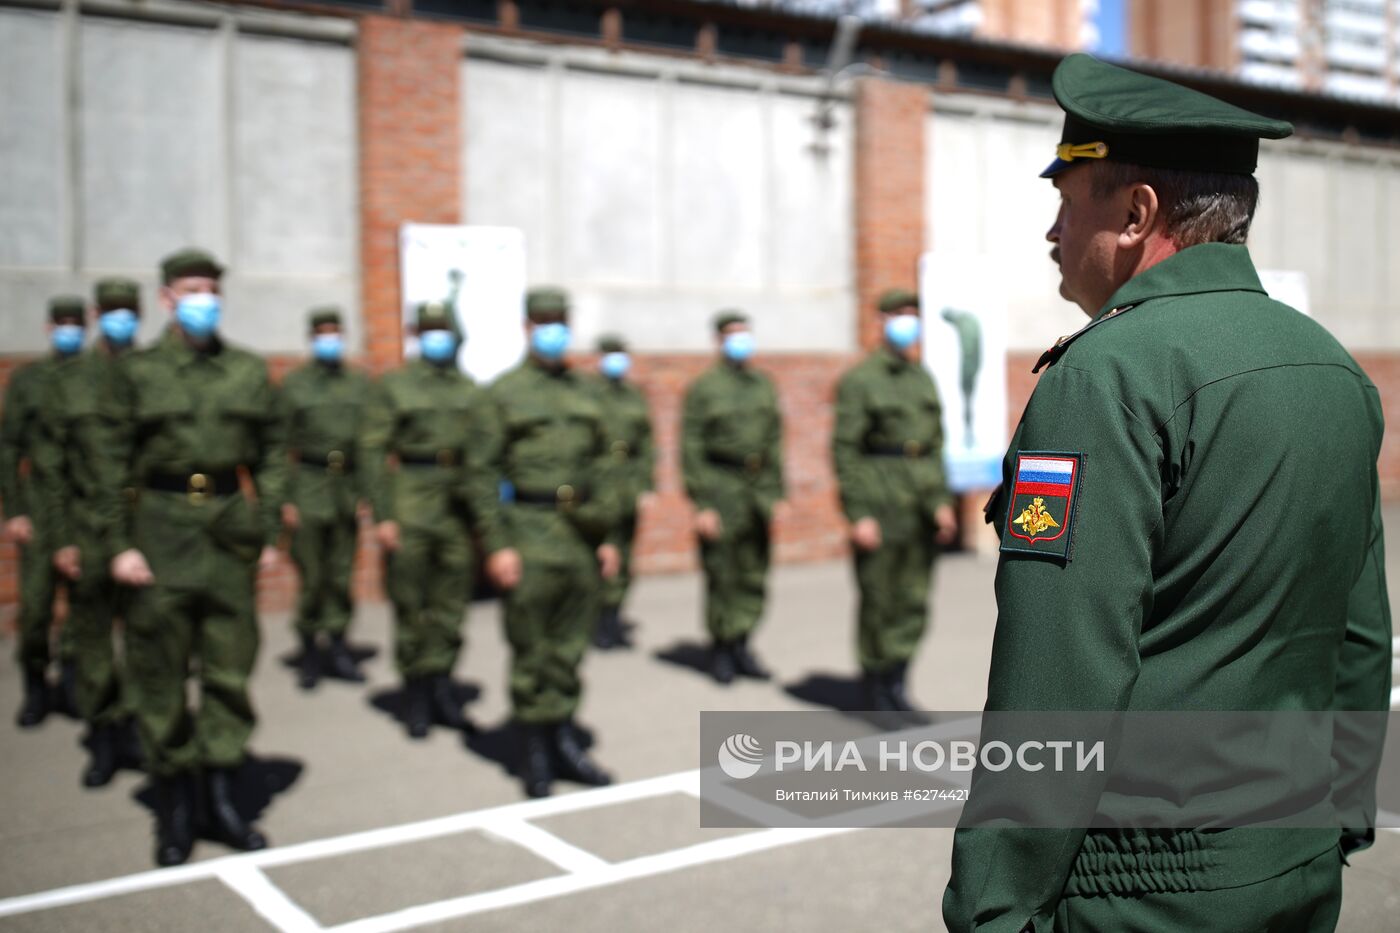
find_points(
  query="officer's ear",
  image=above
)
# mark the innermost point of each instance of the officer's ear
(1144, 216)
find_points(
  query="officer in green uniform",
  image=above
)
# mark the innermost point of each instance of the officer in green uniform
(433, 420)
(631, 466)
(195, 432)
(23, 482)
(1189, 518)
(72, 413)
(888, 451)
(732, 463)
(553, 543)
(323, 404)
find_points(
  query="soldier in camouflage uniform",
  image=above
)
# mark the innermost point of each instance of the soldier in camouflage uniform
(554, 543)
(21, 493)
(323, 404)
(632, 463)
(72, 411)
(732, 461)
(433, 420)
(193, 430)
(888, 452)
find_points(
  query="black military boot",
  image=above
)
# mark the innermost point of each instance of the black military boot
(417, 707)
(876, 689)
(224, 823)
(722, 667)
(102, 763)
(342, 662)
(174, 820)
(127, 740)
(745, 664)
(536, 761)
(573, 762)
(309, 664)
(608, 633)
(447, 711)
(899, 699)
(35, 707)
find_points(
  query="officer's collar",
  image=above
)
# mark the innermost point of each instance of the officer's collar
(187, 352)
(893, 358)
(1196, 270)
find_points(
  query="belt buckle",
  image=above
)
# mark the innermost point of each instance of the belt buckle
(564, 497)
(335, 461)
(198, 488)
(753, 462)
(913, 448)
(446, 458)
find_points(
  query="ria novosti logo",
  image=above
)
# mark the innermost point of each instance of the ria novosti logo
(740, 756)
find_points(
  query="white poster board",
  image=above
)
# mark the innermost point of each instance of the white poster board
(1289, 287)
(480, 271)
(964, 311)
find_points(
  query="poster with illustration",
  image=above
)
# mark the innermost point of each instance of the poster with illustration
(964, 344)
(480, 273)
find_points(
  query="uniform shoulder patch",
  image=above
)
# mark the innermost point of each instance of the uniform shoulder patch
(1040, 511)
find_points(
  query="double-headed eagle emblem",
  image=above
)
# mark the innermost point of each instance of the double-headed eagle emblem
(1034, 519)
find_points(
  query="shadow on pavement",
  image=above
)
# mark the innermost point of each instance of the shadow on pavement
(391, 701)
(691, 654)
(359, 653)
(844, 695)
(259, 781)
(501, 744)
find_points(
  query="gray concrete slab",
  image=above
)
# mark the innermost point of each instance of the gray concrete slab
(366, 884)
(203, 905)
(636, 828)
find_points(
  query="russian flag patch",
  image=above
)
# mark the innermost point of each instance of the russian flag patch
(1041, 513)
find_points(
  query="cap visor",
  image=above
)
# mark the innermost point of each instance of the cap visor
(1055, 168)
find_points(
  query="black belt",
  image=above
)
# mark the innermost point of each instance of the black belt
(564, 496)
(448, 457)
(750, 462)
(907, 449)
(197, 485)
(336, 461)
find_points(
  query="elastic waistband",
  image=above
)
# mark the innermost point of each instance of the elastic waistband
(910, 449)
(448, 457)
(336, 461)
(560, 497)
(1139, 861)
(750, 462)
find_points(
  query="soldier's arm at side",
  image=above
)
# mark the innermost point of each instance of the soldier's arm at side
(107, 444)
(1363, 688)
(693, 465)
(852, 423)
(483, 473)
(372, 447)
(773, 477)
(646, 454)
(12, 427)
(941, 494)
(1066, 639)
(270, 468)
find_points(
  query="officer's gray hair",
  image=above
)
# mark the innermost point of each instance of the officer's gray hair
(1197, 207)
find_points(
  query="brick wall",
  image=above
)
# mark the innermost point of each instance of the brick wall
(889, 193)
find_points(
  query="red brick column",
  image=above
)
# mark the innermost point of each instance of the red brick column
(889, 193)
(410, 157)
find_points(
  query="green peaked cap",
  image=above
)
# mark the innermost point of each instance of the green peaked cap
(1124, 116)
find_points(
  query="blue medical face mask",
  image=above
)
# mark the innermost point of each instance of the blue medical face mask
(738, 346)
(328, 348)
(902, 330)
(198, 314)
(550, 341)
(118, 325)
(615, 365)
(438, 346)
(67, 339)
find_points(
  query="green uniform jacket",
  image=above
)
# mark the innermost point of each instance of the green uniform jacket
(550, 441)
(172, 411)
(437, 416)
(631, 453)
(888, 442)
(1221, 551)
(74, 443)
(19, 433)
(732, 440)
(323, 409)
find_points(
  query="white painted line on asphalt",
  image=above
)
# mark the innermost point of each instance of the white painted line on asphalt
(270, 901)
(681, 782)
(545, 844)
(530, 892)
